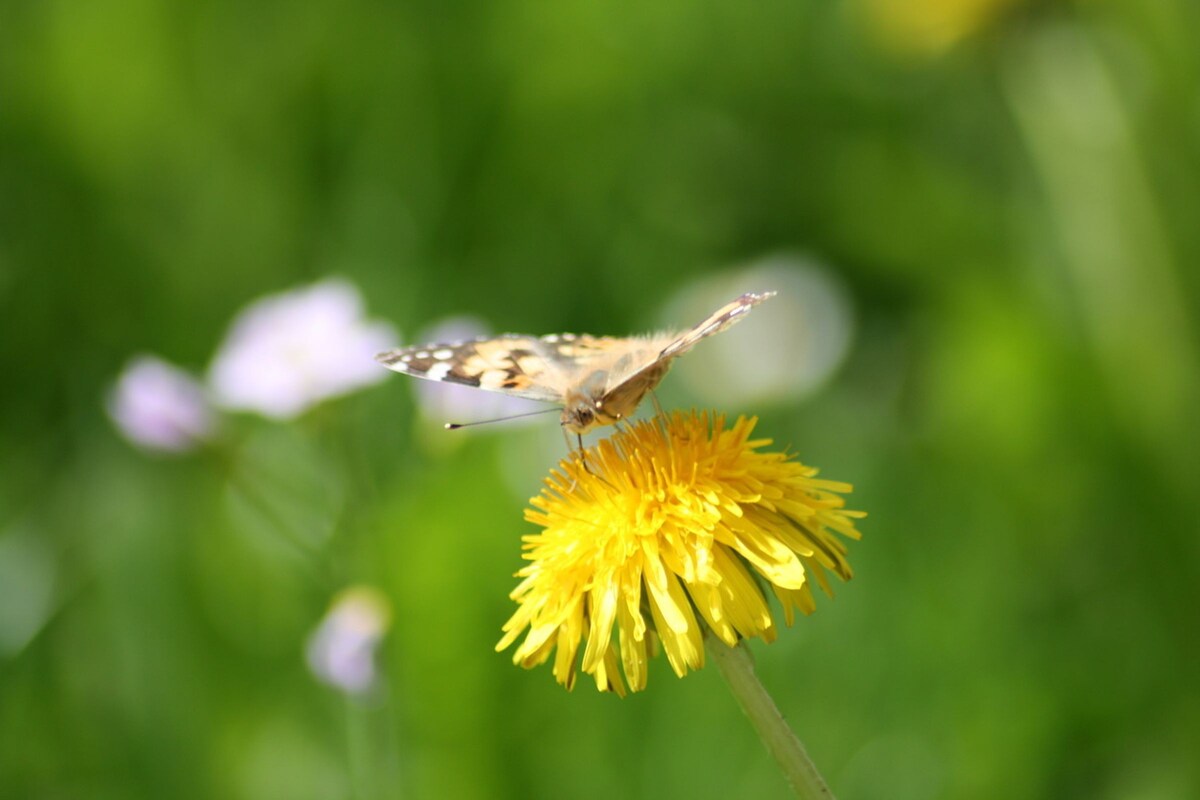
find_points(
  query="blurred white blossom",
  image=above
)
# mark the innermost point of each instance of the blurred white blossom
(786, 349)
(160, 407)
(449, 402)
(341, 651)
(289, 351)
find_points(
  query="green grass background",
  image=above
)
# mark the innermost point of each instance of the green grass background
(1014, 216)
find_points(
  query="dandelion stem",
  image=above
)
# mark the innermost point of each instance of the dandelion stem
(737, 667)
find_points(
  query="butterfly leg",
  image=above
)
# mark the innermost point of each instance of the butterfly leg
(658, 409)
(583, 458)
(580, 453)
(661, 418)
(583, 453)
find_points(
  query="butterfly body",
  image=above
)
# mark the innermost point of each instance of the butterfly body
(597, 380)
(607, 397)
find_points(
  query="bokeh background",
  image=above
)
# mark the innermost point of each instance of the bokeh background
(981, 215)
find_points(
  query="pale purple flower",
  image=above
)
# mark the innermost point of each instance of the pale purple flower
(449, 402)
(287, 352)
(341, 651)
(160, 407)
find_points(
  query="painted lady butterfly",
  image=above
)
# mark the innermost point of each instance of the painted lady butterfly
(597, 380)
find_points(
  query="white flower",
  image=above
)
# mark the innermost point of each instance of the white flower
(341, 651)
(158, 406)
(289, 351)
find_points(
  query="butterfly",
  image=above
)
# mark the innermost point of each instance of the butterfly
(598, 380)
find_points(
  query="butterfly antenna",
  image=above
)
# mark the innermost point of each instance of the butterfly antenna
(453, 426)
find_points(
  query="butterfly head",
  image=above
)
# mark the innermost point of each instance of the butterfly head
(595, 404)
(581, 413)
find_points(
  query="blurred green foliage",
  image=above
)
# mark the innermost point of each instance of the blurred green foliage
(1012, 202)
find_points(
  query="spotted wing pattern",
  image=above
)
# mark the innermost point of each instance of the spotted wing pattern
(523, 366)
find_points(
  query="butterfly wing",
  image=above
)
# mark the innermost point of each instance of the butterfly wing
(647, 360)
(716, 322)
(615, 371)
(657, 351)
(522, 366)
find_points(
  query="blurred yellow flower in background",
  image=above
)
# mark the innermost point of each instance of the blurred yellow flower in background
(665, 529)
(930, 26)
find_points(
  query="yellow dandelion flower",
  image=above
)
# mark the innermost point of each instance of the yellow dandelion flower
(669, 528)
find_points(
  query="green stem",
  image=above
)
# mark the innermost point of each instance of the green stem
(229, 467)
(358, 751)
(737, 667)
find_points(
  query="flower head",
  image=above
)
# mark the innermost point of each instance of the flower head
(666, 529)
(159, 407)
(931, 26)
(341, 651)
(289, 351)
